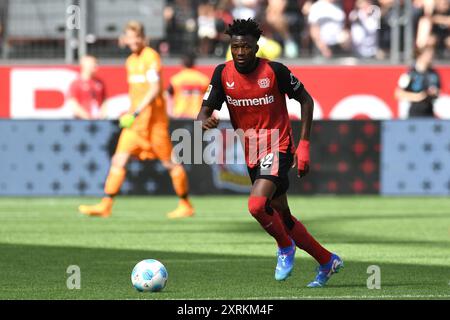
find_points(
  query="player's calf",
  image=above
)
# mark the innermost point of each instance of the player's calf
(263, 213)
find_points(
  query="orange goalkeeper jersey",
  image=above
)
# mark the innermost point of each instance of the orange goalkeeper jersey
(142, 70)
(188, 88)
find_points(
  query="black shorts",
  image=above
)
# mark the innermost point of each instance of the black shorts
(275, 169)
(421, 109)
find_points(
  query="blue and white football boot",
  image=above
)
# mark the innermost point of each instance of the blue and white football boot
(325, 271)
(285, 262)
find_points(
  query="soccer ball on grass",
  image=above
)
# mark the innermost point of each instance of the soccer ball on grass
(149, 275)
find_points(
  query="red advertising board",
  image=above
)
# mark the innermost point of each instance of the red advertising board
(340, 92)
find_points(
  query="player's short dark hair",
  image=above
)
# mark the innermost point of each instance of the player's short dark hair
(189, 60)
(241, 27)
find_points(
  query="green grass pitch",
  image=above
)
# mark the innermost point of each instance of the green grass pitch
(222, 253)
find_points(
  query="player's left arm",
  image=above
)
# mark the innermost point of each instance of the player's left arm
(301, 157)
(290, 85)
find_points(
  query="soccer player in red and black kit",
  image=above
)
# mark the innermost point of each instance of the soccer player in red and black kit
(254, 90)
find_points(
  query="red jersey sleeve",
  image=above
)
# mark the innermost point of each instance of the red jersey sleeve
(214, 95)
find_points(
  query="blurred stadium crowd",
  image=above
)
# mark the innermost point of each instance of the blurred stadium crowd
(327, 28)
(292, 28)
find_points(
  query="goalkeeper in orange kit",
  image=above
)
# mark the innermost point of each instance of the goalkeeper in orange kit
(145, 133)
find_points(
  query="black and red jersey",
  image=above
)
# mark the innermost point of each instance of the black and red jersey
(256, 100)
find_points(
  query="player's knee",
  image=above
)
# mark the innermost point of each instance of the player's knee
(119, 160)
(169, 165)
(258, 206)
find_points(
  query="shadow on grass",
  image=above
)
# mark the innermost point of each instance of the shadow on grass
(327, 230)
(39, 272)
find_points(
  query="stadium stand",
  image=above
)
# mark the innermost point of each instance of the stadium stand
(173, 25)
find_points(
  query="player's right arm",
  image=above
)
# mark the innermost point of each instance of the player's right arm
(403, 92)
(212, 100)
(206, 117)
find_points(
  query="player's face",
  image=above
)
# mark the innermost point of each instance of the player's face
(134, 41)
(243, 50)
(89, 65)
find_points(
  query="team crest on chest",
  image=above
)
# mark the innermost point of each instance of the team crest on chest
(264, 83)
(230, 85)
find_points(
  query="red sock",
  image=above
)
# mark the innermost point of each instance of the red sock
(304, 240)
(278, 231)
(270, 221)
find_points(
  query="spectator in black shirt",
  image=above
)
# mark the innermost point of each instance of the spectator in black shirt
(420, 85)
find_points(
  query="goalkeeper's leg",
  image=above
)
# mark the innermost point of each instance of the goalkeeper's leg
(114, 181)
(181, 186)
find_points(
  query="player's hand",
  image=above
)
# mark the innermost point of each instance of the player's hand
(126, 120)
(301, 158)
(420, 96)
(210, 123)
(433, 91)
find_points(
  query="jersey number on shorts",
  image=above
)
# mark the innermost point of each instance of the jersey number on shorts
(267, 161)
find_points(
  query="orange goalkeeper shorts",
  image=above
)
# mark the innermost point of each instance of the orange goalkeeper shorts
(146, 145)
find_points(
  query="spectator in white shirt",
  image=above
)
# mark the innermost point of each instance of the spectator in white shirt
(244, 9)
(365, 22)
(327, 28)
